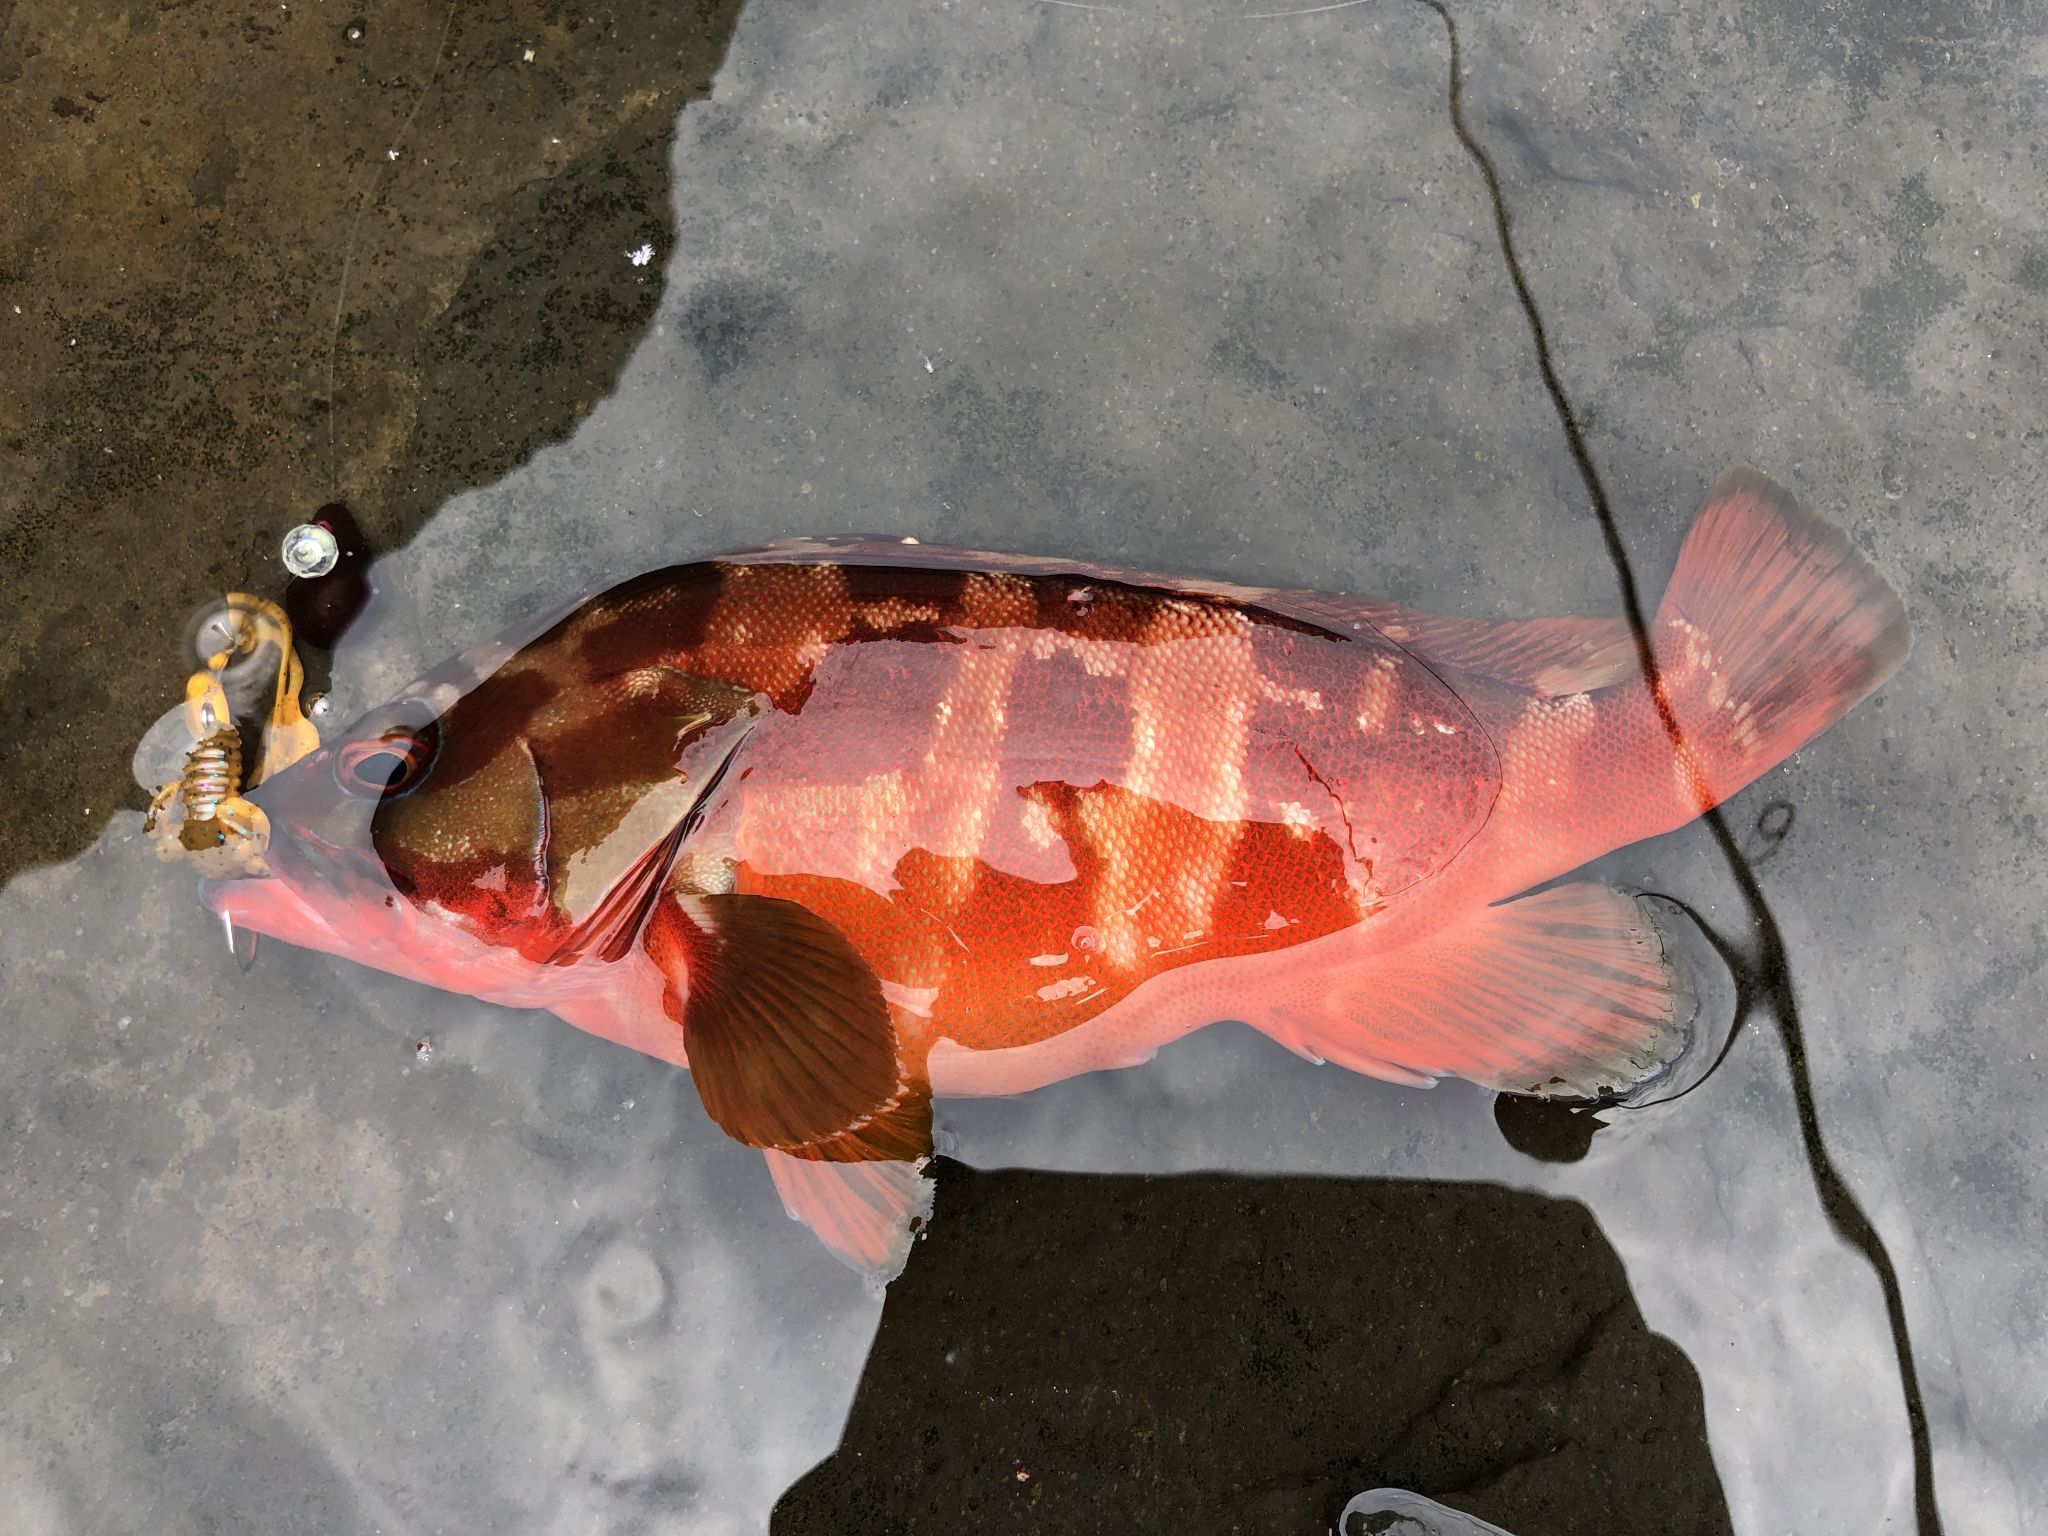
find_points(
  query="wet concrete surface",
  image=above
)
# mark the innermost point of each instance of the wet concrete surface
(257, 257)
(1217, 297)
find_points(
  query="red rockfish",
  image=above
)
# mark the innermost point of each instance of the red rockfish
(840, 828)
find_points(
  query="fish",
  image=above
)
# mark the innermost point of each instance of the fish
(842, 827)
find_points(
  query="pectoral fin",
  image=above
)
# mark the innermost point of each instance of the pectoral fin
(793, 1051)
(789, 1039)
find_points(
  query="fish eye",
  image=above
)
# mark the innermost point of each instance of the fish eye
(386, 765)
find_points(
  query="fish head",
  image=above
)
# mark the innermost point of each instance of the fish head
(463, 837)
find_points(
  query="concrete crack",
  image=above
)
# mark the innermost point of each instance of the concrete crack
(1769, 977)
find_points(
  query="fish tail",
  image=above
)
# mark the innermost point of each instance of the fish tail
(1773, 628)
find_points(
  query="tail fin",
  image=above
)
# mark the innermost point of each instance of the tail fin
(1773, 628)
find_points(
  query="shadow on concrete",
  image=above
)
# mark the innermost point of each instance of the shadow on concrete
(1214, 1353)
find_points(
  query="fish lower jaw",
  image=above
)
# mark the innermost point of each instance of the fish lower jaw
(388, 933)
(272, 908)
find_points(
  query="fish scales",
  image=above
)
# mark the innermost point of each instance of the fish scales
(994, 753)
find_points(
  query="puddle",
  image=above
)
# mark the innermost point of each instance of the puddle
(1225, 299)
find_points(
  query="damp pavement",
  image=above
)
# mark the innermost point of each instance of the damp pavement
(1183, 290)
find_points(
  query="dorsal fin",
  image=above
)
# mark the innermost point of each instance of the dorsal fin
(1553, 657)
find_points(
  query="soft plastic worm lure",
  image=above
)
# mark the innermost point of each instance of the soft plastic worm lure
(201, 815)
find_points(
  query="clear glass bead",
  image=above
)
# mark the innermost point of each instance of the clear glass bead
(310, 550)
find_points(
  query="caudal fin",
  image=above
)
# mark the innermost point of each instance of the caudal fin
(1772, 629)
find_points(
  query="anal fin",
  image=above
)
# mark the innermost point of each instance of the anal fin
(1575, 992)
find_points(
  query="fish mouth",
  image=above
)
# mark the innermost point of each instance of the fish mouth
(269, 905)
(324, 899)
(310, 897)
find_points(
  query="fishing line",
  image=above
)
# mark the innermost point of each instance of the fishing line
(1772, 972)
(348, 249)
(1117, 10)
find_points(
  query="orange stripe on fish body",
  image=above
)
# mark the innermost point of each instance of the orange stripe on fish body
(1151, 781)
(844, 826)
